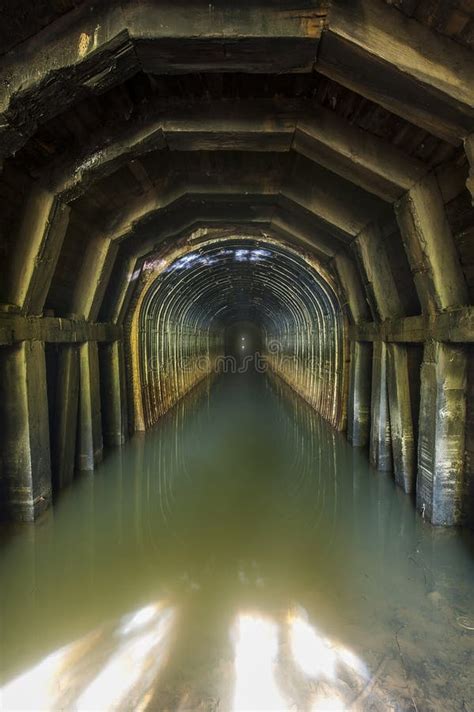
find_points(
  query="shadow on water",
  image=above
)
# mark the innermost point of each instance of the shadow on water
(241, 555)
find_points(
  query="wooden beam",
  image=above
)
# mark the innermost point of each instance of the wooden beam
(401, 64)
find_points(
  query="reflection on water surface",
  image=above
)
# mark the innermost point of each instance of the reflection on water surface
(240, 556)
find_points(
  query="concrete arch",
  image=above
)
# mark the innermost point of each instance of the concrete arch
(160, 296)
(92, 48)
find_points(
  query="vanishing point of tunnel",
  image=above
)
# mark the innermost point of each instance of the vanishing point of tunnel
(236, 355)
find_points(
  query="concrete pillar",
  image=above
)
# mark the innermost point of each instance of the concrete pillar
(380, 437)
(469, 148)
(89, 435)
(358, 408)
(468, 495)
(63, 445)
(113, 392)
(25, 464)
(401, 423)
(442, 432)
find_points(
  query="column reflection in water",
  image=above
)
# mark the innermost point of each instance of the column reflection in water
(240, 554)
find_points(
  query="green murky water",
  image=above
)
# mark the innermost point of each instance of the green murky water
(241, 556)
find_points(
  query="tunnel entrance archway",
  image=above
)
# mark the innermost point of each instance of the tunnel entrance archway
(189, 296)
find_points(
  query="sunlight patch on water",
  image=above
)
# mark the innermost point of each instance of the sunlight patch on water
(127, 666)
(329, 704)
(311, 652)
(316, 655)
(256, 649)
(61, 679)
(37, 688)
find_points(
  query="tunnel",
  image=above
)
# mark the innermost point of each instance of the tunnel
(289, 315)
(236, 355)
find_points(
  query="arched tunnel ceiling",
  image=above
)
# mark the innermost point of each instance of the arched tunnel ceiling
(141, 121)
(246, 278)
(189, 295)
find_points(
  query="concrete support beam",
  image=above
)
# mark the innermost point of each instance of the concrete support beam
(395, 431)
(258, 217)
(334, 199)
(63, 439)
(358, 409)
(130, 270)
(113, 394)
(401, 422)
(379, 282)
(260, 125)
(468, 493)
(380, 435)
(98, 46)
(354, 154)
(151, 205)
(455, 326)
(351, 283)
(89, 440)
(16, 327)
(25, 466)
(400, 64)
(430, 248)
(442, 433)
(469, 148)
(95, 272)
(37, 250)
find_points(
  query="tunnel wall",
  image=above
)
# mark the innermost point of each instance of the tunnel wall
(187, 295)
(308, 351)
(171, 347)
